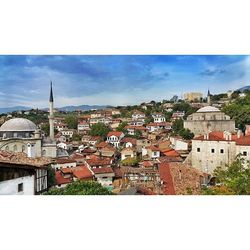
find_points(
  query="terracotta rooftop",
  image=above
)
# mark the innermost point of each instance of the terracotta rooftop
(98, 161)
(103, 170)
(60, 179)
(115, 133)
(178, 178)
(170, 152)
(220, 136)
(101, 144)
(82, 172)
(23, 159)
(129, 139)
(63, 161)
(153, 148)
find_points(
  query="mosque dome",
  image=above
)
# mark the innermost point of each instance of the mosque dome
(18, 125)
(207, 109)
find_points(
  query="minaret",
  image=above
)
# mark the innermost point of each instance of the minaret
(208, 97)
(51, 114)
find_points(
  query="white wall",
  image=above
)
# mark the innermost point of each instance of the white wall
(10, 187)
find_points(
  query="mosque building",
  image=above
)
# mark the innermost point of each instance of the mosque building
(209, 119)
(22, 135)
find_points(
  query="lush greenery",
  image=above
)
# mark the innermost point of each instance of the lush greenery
(122, 126)
(51, 177)
(80, 188)
(233, 179)
(178, 129)
(99, 129)
(239, 110)
(71, 121)
(130, 161)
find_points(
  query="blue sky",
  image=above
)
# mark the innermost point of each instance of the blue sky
(115, 80)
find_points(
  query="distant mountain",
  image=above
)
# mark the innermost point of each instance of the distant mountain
(243, 88)
(15, 108)
(82, 107)
(66, 108)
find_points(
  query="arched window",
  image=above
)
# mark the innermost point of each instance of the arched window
(44, 152)
(7, 148)
(23, 148)
(15, 148)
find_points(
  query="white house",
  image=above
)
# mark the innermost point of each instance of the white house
(83, 127)
(65, 145)
(158, 117)
(68, 132)
(138, 115)
(115, 137)
(61, 126)
(216, 149)
(128, 152)
(22, 175)
(64, 163)
(155, 126)
(152, 152)
(178, 143)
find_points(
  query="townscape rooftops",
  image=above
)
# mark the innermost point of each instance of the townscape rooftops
(103, 170)
(60, 179)
(23, 159)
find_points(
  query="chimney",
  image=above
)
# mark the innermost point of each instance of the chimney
(239, 132)
(247, 131)
(31, 150)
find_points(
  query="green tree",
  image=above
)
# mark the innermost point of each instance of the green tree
(121, 126)
(80, 187)
(233, 179)
(71, 121)
(51, 177)
(45, 128)
(99, 129)
(177, 126)
(130, 161)
(186, 134)
(76, 137)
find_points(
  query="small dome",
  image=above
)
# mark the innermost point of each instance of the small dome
(18, 124)
(207, 109)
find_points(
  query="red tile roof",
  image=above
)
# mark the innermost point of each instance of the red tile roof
(82, 172)
(63, 161)
(148, 164)
(219, 136)
(153, 148)
(98, 161)
(129, 139)
(60, 179)
(101, 144)
(170, 152)
(166, 177)
(103, 170)
(115, 133)
(243, 141)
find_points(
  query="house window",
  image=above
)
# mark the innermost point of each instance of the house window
(15, 147)
(198, 150)
(212, 150)
(222, 151)
(245, 153)
(23, 148)
(20, 187)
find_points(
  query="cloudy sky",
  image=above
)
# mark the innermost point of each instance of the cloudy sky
(115, 80)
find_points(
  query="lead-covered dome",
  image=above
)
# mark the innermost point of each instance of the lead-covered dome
(207, 109)
(18, 125)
